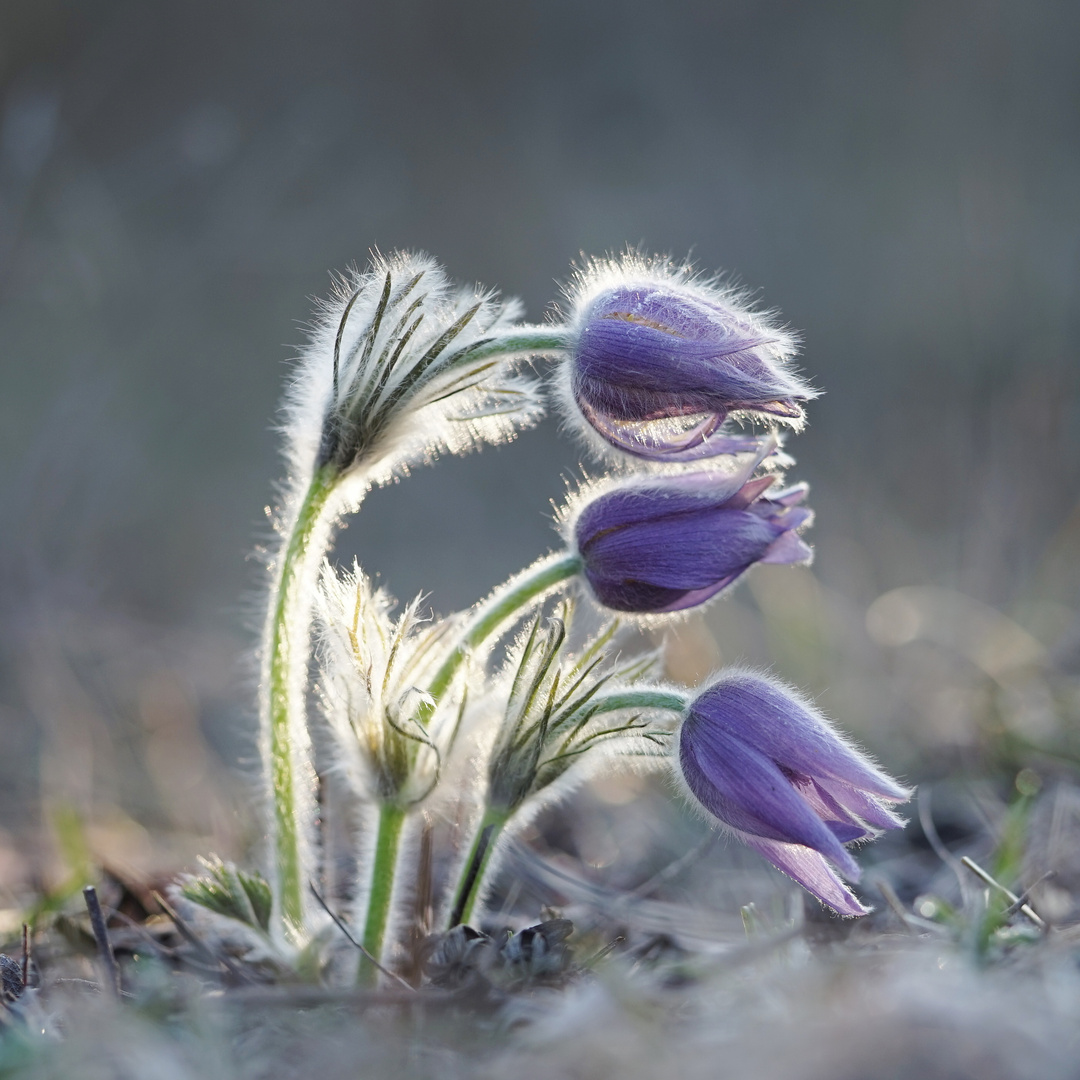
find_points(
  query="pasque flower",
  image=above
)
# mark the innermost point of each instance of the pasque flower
(771, 768)
(668, 542)
(400, 367)
(660, 358)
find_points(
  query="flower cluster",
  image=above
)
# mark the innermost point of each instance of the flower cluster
(658, 361)
(419, 721)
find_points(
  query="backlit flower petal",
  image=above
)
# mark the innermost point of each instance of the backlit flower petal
(769, 767)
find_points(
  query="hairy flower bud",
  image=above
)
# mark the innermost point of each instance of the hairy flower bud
(771, 768)
(551, 723)
(403, 365)
(668, 542)
(372, 669)
(659, 359)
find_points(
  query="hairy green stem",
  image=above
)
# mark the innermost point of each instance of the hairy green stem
(475, 868)
(387, 842)
(285, 723)
(525, 339)
(498, 609)
(666, 700)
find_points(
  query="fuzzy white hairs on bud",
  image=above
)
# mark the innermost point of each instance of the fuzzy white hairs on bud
(374, 669)
(401, 366)
(659, 356)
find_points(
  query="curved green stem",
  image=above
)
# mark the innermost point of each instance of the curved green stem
(522, 339)
(498, 609)
(666, 700)
(387, 841)
(283, 704)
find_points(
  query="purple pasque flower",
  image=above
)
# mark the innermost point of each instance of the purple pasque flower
(668, 542)
(772, 769)
(660, 359)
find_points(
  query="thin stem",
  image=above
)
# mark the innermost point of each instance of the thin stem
(498, 609)
(667, 700)
(524, 339)
(491, 616)
(387, 841)
(475, 868)
(473, 873)
(285, 679)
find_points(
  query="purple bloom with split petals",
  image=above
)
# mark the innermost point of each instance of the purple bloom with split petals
(773, 770)
(660, 360)
(665, 543)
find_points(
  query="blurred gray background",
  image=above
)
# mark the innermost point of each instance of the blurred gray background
(901, 180)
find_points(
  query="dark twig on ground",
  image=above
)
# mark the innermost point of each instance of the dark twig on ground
(101, 935)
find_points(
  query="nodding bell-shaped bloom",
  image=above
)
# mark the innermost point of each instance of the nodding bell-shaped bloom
(772, 770)
(660, 358)
(402, 365)
(668, 542)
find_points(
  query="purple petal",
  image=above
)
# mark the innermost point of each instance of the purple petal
(690, 550)
(658, 371)
(749, 492)
(728, 812)
(647, 320)
(746, 790)
(788, 548)
(811, 871)
(794, 517)
(637, 503)
(712, 445)
(693, 597)
(673, 436)
(680, 314)
(784, 407)
(862, 805)
(843, 824)
(790, 496)
(653, 499)
(641, 597)
(685, 439)
(790, 733)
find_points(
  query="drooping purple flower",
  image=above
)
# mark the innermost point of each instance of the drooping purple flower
(771, 768)
(660, 360)
(669, 542)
